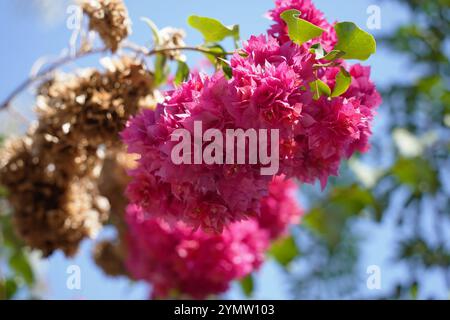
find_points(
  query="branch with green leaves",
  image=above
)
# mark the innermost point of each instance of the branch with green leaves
(212, 30)
(353, 43)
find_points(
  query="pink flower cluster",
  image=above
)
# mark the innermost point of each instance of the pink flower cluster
(180, 262)
(270, 89)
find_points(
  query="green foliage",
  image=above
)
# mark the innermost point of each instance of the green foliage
(154, 29)
(225, 66)
(8, 288)
(3, 192)
(13, 255)
(329, 218)
(213, 30)
(417, 173)
(247, 285)
(319, 88)
(355, 42)
(300, 30)
(417, 250)
(334, 55)
(182, 73)
(216, 51)
(343, 82)
(321, 53)
(162, 69)
(21, 266)
(415, 144)
(284, 251)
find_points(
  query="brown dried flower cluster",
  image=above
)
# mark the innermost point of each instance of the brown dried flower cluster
(93, 107)
(53, 207)
(53, 173)
(109, 18)
(110, 257)
(113, 181)
(172, 38)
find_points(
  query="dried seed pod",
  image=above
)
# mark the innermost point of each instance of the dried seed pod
(110, 257)
(109, 18)
(172, 38)
(112, 183)
(91, 108)
(52, 209)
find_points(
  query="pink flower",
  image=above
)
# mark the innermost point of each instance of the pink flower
(177, 260)
(279, 209)
(207, 196)
(270, 89)
(270, 84)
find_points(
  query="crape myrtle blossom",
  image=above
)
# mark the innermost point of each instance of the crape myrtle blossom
(207, 196)
(180, 262)
(269, 89)
(177, 260)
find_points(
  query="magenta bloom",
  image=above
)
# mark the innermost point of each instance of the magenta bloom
(268, 83)
(269, 89)
(207, 196)
(179, 261)
(280, 209)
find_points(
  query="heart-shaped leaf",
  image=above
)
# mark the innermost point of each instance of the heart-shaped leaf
(300, 30)
(343, 82)
(284, 250)
(182, 73)
(320, 88)
(213, 30)
(355, 42)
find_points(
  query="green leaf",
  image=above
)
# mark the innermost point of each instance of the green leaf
(414, 290)
(334, 55)
(418, 174)
(351, 200)
(161, 69)
(182, 73)
(8, 289)
(318, 50)
(216, 51)
(155, 30)
(213, 30)
(247, 285)
(284, 251)
(3, 192)
(19, 263)
(226, 68)
(299, 30)
(343, 82)
(319, 88)
(320, 53)
(355, 42)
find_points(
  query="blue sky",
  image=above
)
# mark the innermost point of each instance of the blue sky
(25, 38)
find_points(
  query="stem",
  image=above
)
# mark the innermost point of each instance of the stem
(197, 49)
(65, 60)
(41, 74)
(326, 65)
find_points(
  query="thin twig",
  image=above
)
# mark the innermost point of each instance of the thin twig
(142, 50)
(197, 49)
(67, 59)
(18, 115)
(44, 72)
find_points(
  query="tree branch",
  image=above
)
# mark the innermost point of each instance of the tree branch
(67, 59)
